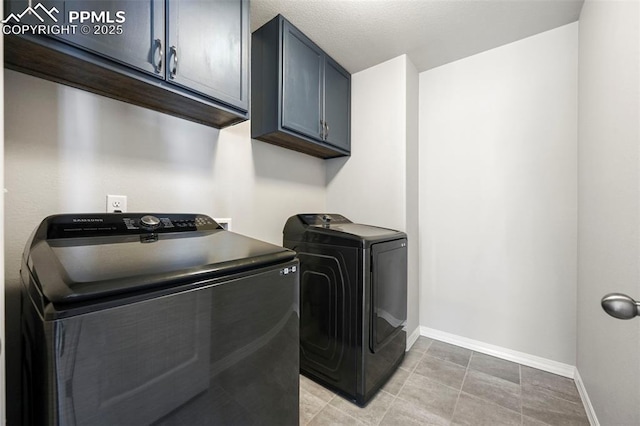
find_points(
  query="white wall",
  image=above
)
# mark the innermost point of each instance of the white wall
(66, 149)
(412, 199)
(371, 186)
(498, 208)
(609, 206)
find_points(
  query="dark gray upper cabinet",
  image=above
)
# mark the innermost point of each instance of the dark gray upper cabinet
(301, 97)
(188, 58)
(207, 49)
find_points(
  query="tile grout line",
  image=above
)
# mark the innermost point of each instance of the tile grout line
(322, 408)
(522, 416)
(395, 397)
(554, 396)
(466, 371)
(388, 408)
(344, 412)
(380, 390)
(314, 416)
(483, 399)
(557, 397)
(377, 393)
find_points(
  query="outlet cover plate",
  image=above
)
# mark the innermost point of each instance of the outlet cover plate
(116, 203)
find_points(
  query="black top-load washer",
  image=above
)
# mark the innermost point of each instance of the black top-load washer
(353, 302)
(134, 319)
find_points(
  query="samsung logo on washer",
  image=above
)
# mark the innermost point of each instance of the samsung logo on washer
(88, 220)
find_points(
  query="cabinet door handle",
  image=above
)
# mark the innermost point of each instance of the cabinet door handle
(158, 66)
(174, 71)
(321, 129)
(326, 131)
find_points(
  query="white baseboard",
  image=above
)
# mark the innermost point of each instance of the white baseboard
(411, 338)
(591, 413)
(540, 363)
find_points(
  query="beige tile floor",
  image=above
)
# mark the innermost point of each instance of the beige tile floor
(442, 384)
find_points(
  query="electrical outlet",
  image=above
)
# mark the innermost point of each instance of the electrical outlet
(116, 203)
(225, 222)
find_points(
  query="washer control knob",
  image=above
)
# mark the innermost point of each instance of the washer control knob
(149, 222)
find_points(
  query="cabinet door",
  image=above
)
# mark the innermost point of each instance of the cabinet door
(301, 84)
(208, 48)
(337, 106)
(128, 31)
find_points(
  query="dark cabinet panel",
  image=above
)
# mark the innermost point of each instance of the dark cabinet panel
(302, 84)
(301, 97)
(207, 49)
(186, 58)
(134, 37)
(337, 112)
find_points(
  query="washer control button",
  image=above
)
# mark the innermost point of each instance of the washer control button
(149, 222)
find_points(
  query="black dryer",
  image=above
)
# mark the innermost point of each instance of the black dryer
(353, 302)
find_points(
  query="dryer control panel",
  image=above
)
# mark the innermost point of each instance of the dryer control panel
(111, 224)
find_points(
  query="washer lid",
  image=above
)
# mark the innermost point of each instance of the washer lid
(76, 269)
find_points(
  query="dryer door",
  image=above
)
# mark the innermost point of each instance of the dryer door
(388, 291)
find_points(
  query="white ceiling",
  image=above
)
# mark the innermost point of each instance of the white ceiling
(362, 33)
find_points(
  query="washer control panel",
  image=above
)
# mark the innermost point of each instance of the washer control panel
(109, 224)
(324, 220)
